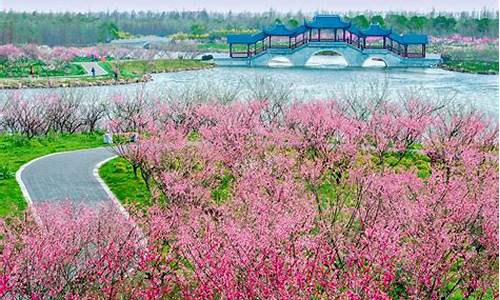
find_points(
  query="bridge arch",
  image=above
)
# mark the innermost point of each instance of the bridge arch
(279, 61)
(352, 56)
(328, 57)
(374, 61)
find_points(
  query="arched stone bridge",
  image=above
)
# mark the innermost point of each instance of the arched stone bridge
(354, 57)
(329, 33)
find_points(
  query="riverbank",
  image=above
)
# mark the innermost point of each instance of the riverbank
(472, 67)
(25, 67)
(133, 71)
(34, 83)
(139, 68)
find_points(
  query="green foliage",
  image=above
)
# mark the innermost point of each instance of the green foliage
(124, 35)
(194, 136)
(198, 29)
(398, 287)
(378, 19)
(16, 150)
(361, 21)
(5, 172)
(108, 31)
(293, 22)
(223, 192)
(417, 23)
(443, 24)
(89, 28)
(412, 159)
(397, 22)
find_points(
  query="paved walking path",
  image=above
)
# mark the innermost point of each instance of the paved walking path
(99, 71)
(63, 176)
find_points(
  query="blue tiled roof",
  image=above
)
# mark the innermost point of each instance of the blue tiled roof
(354, 29)
(301, 29)
(412, 38)
(245, 38)
(279, 30)
(327, 21)
(396, 37)
(376, 30)
(409, 39)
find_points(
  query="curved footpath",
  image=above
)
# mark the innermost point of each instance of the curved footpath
(87, 66)
(66, 176)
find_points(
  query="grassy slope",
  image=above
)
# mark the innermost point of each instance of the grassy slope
(137, 68)
(477, 67)
(22, 68)
(17, 150)
(223, 47)
(118, 175)
(130, 70)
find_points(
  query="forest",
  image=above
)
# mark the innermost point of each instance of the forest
(82, 29)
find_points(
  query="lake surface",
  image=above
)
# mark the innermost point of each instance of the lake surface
(327, 82)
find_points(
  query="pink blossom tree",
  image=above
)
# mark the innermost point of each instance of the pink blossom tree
(311, 204)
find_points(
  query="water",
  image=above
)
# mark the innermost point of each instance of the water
(324, 81)
(479, 91)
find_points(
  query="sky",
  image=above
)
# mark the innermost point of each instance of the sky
(248, 5)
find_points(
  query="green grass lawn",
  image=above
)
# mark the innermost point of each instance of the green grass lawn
(89, 59)
(222, 47)
(137, 68)
(22, 68)
(472, 66)
(119, 176)
(16, 150)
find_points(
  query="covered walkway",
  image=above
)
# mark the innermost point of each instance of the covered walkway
(327, 29)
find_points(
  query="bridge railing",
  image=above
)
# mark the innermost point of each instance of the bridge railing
(240, 54)
(415, 55)
(260, 50)
(341, 40)
(298, 43)
(375, 47)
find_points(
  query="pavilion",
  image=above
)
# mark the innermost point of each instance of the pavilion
(327, 29)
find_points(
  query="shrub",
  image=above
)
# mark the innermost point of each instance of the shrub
(5, 172)
(207, 57)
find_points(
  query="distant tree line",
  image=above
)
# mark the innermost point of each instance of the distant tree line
(78, 29)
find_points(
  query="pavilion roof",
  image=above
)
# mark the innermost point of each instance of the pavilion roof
(301, 29)
(245, 38)
(376, 30)
(279, 30)
(409, 39)
(327, 21)
(396, 37)
(354, 29)
(413, 38)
